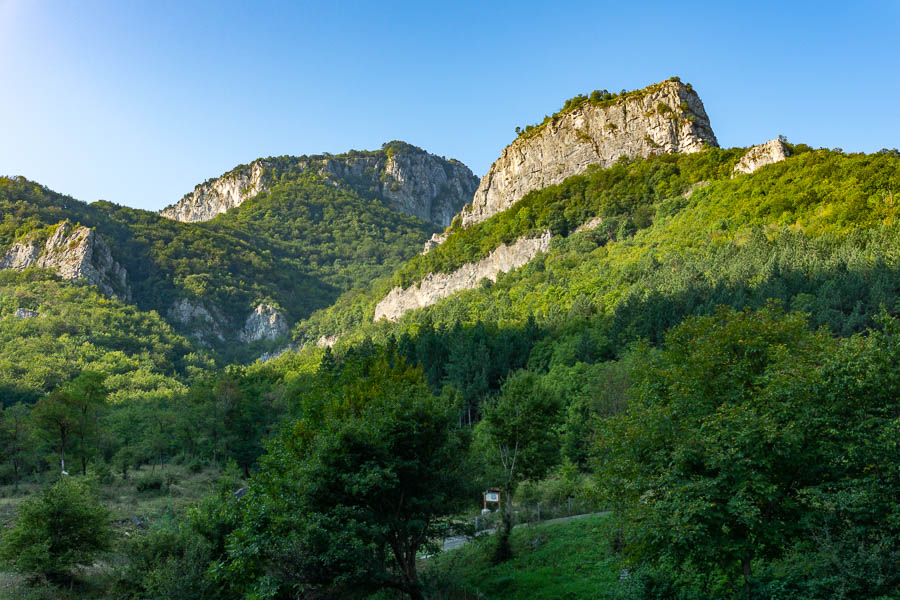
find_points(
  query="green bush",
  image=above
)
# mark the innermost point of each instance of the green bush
(166, 562)
(195, 465)
(61, 528)
(102, 472)
(149, 482)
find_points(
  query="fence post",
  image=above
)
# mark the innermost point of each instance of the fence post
(476, 524)
(539, 511)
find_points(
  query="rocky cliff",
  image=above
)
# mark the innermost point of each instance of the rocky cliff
(436, 286)
(219, 195)
(264, 323)
(203, 324)
(74, 252)
(663, 118)
(408, 178)
(757, 157)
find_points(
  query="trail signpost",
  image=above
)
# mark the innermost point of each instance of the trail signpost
(491, 495)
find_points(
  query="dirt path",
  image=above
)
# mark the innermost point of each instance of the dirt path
(461, 540)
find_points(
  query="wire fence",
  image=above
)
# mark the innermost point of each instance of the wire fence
(534, 512)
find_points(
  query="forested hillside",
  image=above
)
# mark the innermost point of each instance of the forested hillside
(51, 330)
(296, 247)
(705, 355)
(672, 236)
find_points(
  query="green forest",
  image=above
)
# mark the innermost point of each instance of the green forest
(706, 376)
(297, 246)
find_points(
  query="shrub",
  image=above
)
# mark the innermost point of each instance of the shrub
(166, 562)
(63, 527)
(195, 465)
(150, 482)
(102, 472)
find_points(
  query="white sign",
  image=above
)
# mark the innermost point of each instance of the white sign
(492, 497)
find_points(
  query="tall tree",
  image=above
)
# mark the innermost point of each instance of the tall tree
(15, 434)
(348, 495)
(69, 415)
(522, 425)
(707, 465)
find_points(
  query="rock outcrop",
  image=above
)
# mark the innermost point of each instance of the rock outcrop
(23, 254)
(216, 196)
(664, 118)
(757, 157)
(436, 240)
(200, 321)
(436, 286)
(326, 341)
(74, 252)
(264, 323)
(267, 356)
(411, 180)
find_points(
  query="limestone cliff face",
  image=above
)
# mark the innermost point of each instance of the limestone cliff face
(218, 195)
(411, 180)
(74, 253)
(201, 322)
(264, 323)
(408, 178)
(437, 286)
(757, 157)
(664, 118)
(206, 323)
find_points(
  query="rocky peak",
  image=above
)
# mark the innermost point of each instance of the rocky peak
(74, 252)
(410, 179)
(666, 117)
(216, 196)
(757, 157)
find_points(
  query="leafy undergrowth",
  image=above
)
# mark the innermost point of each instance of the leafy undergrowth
(147, 497)
(568, 560)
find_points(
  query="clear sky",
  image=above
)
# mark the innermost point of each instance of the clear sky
(136, 102)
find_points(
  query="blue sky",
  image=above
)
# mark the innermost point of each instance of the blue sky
(136, 102)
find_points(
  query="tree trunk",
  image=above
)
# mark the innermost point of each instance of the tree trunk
(62, 449)
(502, 549)
(745, 564)
(84, 465)
(415, 593)
(412, 579)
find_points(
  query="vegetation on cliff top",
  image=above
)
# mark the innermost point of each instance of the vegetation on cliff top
(597, 98)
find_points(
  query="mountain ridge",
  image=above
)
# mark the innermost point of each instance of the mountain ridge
(408, 178)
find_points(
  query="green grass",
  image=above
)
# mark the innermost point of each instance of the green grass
(568, 560)
(123, 499)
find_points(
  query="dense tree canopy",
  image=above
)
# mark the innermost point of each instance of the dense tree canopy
(349, 494)
(739, 430)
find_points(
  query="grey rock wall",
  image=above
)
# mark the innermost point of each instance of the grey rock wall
(218, 195)
(436, 286)
(74, 252)
(771, 152)
(411, 180)
(668, 118)
(264, 323)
